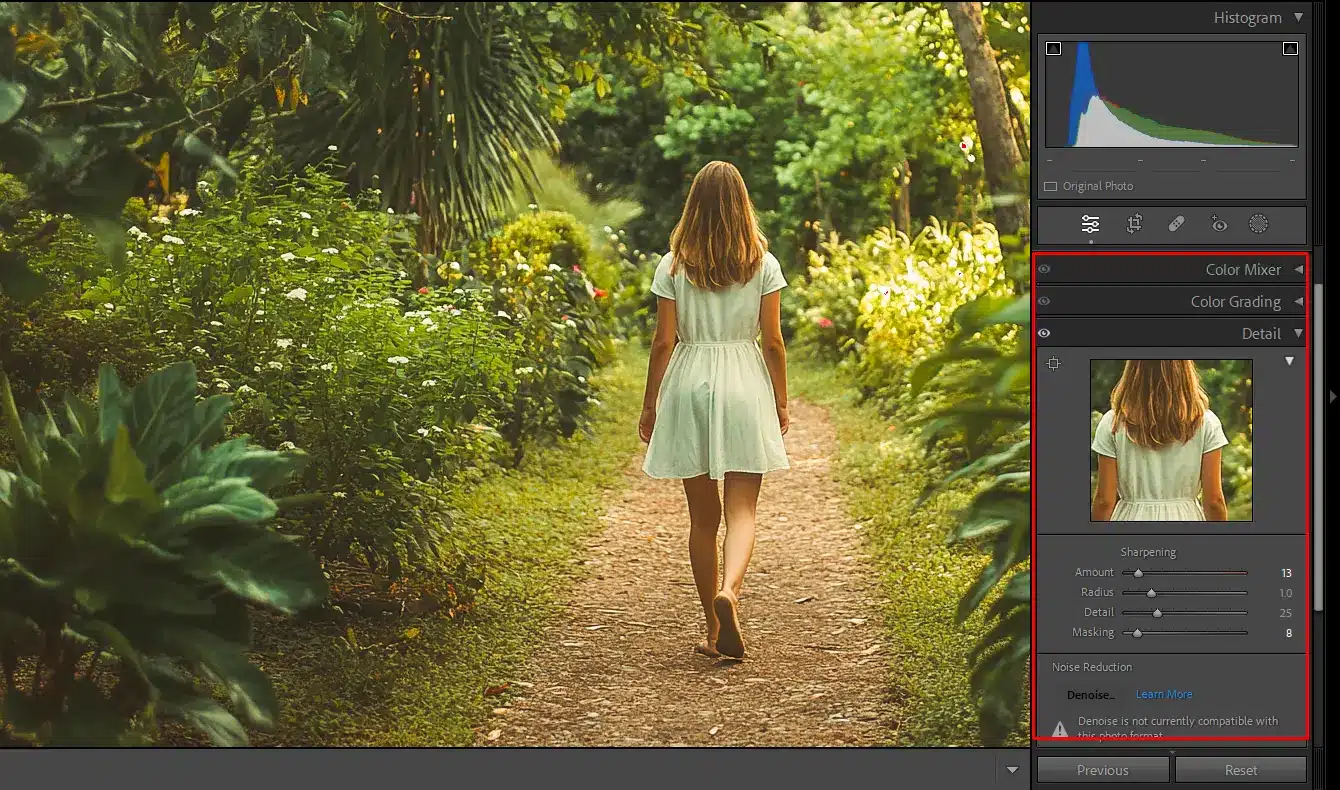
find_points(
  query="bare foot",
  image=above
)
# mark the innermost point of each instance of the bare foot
(705, 648)
(729, 642)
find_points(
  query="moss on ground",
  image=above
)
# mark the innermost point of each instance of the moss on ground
(434, 688)
(884, 471)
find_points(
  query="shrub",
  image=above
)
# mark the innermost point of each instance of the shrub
(984, 403)
(286, 294)
(132, 540)
(885, 303)
(291, 295)
(537, 273)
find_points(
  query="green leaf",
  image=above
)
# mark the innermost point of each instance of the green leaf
(927, 370)
(111, 402)
(239, 458)
(247, 686)
(23, 447)
(263, 567)
(238, 295)
(126, 478)
(198, 503)
(12, 95)
(206, 715)
(107, 634)
(161, 408)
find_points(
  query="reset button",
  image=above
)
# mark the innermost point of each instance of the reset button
(1227, 770)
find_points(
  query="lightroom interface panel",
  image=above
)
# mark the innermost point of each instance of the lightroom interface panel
(1177, 277)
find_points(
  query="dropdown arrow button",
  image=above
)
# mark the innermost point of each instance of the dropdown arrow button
(1298, 269)
(1298, 301)
(1011, 768)
(1298, 333)
(1288, 361)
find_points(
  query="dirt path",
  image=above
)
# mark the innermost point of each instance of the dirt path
(618, 668)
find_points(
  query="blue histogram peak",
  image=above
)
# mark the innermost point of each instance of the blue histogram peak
(1083, 90)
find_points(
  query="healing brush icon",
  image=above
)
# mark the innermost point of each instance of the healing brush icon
(1178, 221)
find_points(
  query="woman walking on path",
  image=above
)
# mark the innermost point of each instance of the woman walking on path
(1159, 447)
(715, 407)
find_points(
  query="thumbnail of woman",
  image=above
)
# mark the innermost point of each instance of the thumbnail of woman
(1159, 447)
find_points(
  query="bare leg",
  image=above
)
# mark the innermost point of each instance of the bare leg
(704, 519)
(740, 496)
(741, 504)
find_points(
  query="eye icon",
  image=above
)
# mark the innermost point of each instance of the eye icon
(1044, 332)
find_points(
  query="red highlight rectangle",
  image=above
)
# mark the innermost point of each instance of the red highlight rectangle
(1307, 519)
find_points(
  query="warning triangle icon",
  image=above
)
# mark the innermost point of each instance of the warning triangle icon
(1059, 732)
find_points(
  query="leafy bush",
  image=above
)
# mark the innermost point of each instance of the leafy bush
(538, 275)
(292, 296)
(986, 404)
(132, 540)
(885, 302)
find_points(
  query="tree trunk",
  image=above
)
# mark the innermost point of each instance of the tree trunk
(1001, 159)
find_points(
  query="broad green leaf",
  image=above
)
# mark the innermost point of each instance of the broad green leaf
(239, 458)
(247, 686)
(263, 567)
(112, 638)
(126, 479)
(111, 402)
(161, 408)
(227, 501)
(27, 453)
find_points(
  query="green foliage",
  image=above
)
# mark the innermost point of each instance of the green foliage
(531, 523)
(558, 188)
(882, 304)
(986, 408)
(291, 296)
(540, 269)
(836, 113)
(931, 330)
(131, 534)
(85, 106)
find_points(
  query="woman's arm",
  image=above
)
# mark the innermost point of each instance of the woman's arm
(1212, 487)
(662, 346)
(774, 353)
(1105, 498)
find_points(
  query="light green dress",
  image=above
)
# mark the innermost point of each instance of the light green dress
(716, 412)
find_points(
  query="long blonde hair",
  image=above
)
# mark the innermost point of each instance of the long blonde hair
(1159, 401)
(717, 241)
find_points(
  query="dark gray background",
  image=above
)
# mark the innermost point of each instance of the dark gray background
(1061, 439)
(359, 769)
(1224, 685)
(1062, 606)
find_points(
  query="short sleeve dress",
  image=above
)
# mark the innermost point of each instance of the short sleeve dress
(1158, 484)
(716, 411)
